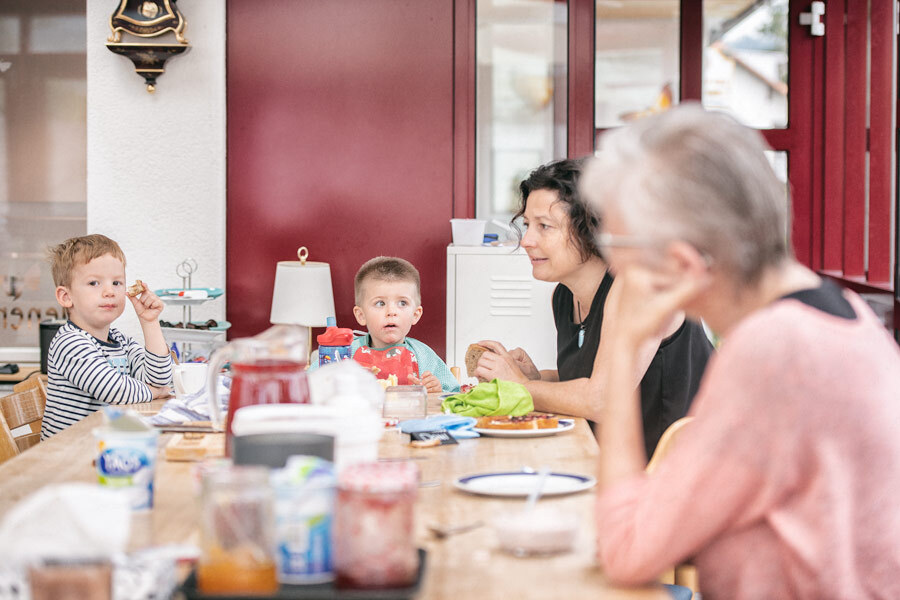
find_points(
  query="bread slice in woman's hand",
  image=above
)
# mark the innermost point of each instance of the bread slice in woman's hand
(473, 355)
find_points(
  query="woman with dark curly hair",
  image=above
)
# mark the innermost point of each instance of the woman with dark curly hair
(559, 239)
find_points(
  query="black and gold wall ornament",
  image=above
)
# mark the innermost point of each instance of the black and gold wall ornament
(147, 18)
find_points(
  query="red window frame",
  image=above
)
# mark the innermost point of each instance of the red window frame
(826, 138)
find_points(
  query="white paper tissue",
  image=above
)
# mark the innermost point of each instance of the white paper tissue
(66, 521)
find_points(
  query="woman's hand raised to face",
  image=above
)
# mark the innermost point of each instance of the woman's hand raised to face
(644, 303)
(501, 364)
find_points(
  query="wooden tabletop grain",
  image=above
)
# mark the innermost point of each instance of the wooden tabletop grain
(463, 566)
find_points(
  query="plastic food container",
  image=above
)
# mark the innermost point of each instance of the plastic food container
(374, 526)
(405, 402)
(126, 460)
(356, 433)
(467, 232)
(304, 505)
(541, 531)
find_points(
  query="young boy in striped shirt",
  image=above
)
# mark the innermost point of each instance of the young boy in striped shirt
(90, 364)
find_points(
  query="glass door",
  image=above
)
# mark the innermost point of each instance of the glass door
(521, 89)
(742, 57)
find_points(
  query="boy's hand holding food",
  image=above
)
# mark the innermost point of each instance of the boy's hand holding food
(430, 381)
(147, 305)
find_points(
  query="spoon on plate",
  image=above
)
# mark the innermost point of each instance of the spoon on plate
(535, 494)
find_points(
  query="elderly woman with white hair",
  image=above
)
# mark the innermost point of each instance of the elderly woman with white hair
(785, 484)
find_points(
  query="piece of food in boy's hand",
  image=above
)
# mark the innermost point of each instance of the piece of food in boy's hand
(389, 382)
(473, 355)
(136, 288)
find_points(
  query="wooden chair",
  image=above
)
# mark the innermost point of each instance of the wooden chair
(25, 406)
(667, 442)
(685, 574)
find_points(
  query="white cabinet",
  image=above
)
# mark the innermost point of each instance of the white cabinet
(492, 295)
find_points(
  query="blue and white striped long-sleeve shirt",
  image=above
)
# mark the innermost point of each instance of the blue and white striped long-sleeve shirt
(85, 374)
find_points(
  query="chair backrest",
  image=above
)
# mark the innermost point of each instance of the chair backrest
(25, 406)
(667, 442)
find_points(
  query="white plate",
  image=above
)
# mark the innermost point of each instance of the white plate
(520, 483)
(564, 425)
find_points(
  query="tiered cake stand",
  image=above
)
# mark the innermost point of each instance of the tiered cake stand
(191, 344)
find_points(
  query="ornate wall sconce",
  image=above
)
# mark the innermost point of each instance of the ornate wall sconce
(147, 18)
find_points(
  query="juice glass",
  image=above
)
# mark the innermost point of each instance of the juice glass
(237, 533)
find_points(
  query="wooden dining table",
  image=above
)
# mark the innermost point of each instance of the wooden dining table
(461, 566)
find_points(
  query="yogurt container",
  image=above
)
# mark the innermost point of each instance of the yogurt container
(126, 461)
(304, 505)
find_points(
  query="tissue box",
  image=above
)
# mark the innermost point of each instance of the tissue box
(405, 402)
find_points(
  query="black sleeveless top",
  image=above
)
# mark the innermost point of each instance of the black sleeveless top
(827, 297)
(671, 380)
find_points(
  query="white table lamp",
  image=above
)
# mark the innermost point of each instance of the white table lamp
(303, 294)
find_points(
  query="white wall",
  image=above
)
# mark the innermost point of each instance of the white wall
(156, 162)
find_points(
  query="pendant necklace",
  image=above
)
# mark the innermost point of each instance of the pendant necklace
(580, 326)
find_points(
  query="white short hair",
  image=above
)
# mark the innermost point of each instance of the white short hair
(697, 176)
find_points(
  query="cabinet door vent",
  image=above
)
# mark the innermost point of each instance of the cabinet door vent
(511, 296)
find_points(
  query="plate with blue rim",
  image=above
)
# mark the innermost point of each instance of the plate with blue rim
(518, 484)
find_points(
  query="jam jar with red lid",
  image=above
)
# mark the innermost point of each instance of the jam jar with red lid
(374, 526)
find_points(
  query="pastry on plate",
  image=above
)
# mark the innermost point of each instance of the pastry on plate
(529, 421)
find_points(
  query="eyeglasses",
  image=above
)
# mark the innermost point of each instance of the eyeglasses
(610, 240)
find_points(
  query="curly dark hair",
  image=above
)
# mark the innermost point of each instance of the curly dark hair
(561, 176)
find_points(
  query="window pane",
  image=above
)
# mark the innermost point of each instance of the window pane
(779, 161)
(521, 97)
(745, 61)
(58, 34)
(9, 35)
(637, 62)
(42, 162)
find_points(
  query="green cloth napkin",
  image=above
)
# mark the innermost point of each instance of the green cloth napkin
(491, 398)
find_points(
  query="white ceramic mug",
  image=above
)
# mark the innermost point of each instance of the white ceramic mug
(189, 378)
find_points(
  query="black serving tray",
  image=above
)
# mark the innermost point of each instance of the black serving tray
(321, 591)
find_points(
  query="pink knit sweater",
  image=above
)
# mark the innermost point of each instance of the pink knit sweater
(787, 483)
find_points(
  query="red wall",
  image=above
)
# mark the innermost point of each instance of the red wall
(340, 139)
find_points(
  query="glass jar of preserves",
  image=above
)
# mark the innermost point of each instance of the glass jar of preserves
(374, 526)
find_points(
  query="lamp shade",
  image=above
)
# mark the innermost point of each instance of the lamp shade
(303, 294)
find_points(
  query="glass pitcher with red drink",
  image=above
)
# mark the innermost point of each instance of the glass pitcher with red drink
(269, 368)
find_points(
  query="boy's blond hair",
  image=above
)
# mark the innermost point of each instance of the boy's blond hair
(386, 268)
(79, 251)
